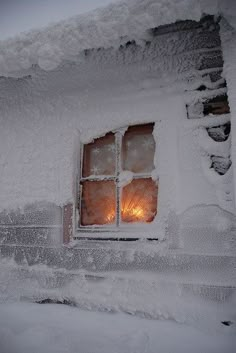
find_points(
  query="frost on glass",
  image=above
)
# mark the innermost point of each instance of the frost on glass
(98, 203)
(105, 202)
(138, 148)
(139, 201)
(99, 156)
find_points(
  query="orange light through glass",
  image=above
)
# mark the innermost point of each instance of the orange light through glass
(110, 218)
(138, 203)
(134, 214)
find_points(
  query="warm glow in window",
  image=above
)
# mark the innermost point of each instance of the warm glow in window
(103, 199)
(139, 201)
(98, 202)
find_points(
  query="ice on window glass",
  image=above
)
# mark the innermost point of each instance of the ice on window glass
(139, 201)
(138, 148)
(100, 156)
(98, 203)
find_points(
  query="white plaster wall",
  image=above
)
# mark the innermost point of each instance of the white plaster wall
(45, 116)
(41, 130)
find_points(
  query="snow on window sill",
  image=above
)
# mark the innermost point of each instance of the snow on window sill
(116, 234)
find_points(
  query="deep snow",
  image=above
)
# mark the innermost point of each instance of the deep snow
(49, 328)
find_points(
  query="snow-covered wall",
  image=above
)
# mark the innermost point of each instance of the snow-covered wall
(44, 117)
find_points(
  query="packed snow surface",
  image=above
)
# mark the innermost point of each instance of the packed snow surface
(104, 27)
(49, 328)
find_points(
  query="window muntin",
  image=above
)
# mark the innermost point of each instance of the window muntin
(105, 198)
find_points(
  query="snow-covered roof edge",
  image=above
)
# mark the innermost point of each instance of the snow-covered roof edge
(102, 28)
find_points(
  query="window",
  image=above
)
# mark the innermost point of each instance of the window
(116, 187)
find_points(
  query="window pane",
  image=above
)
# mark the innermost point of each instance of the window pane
(138, 148)
(98, 204)
(100, 156)
(139, 201)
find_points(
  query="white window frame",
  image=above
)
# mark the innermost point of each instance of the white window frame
(118, 230)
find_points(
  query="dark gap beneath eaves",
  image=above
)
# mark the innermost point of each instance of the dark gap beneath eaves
(201, 88)
(207, 21)
(56, 301)
(227, 323)
(221, 164)
(216, 106)
(219, 133)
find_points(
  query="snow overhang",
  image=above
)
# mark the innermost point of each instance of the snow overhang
(105, 27)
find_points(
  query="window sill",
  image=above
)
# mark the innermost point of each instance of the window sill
(142, 244)
(114, 238)
(138, 232)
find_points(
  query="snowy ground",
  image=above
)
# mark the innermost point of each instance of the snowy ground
(49, 328)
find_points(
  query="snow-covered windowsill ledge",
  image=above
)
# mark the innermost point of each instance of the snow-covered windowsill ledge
(135, 233)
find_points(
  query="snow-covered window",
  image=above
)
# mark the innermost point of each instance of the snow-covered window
(116, 187)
